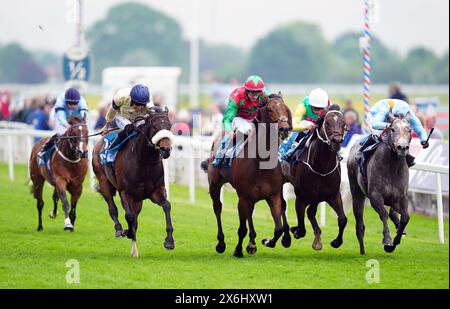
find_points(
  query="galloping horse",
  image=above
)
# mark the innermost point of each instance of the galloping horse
(68, 167)
(138, 174)
(251, 181)
(317, 177)
(387, 181)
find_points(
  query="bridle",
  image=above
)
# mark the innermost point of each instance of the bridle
(148, 124)
(278, 120)
(386, 133)
(72, 147)
(327, 141)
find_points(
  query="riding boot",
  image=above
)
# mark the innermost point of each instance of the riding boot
(121, 136)
(410, 160)
(204, 165)
(47, 145)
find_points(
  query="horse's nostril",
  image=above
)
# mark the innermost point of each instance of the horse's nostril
(399, 147)
(407, 148)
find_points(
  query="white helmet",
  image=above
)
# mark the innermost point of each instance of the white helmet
(318, 98)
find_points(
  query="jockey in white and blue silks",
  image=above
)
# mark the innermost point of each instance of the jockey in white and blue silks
(378, 115)
(68, 104)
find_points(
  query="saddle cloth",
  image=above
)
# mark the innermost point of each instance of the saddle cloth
(108, 156)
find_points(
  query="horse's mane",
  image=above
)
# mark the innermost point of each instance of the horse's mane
(75, 120)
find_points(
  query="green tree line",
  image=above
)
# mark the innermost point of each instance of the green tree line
(134, 34)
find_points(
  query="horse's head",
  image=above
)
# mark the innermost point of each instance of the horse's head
(158, 132)
(399, 134)
(332, 128)
(78, 136)
(274, 110)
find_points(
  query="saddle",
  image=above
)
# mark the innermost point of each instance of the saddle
(368, 146)
(224, 160)
(108, 156)
(303, 144)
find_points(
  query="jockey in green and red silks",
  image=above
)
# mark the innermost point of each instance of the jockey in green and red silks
(242, 105)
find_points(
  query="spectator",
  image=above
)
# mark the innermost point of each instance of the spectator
(101, 119)
(430, 122)
(40, 118)
(4, 105)
(353, 125)
(158, 99)
(181, 126)
(396, 93)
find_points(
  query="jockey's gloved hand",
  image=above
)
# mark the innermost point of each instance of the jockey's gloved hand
(129, 128)
(425, 144)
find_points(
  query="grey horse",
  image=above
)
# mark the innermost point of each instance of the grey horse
(387, 181)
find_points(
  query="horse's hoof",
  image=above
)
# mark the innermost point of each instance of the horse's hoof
(299, 234)
(387, 242)
(238, 254)
(336, 243)
(293, 229)
(317, 245)
(52, 215)
(120, 234)
(68, 228)
(362, 252)
(251, 249)
(220, 247)
(169, 245)
(286, 241)
(40, 229)
(389, 248)
(268, 243)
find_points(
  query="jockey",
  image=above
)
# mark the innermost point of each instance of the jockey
(308, 112)
(378, 115)
(241, 110)
(68, 104)
(127, 105)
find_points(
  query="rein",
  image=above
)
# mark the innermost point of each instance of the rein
(148, 124)
(327, 141)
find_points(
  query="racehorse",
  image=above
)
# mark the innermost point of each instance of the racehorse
(317, 177)
(387, 181)
(68, 168)
(252, 182)
(138, 174)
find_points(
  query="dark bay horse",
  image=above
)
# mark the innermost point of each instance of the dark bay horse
(317, 177)
(252, 180)
(68, 169)
(387, 181)
(138, 174)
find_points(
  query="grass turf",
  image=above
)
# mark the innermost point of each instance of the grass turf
(29, 259)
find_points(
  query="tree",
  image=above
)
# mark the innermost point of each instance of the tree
(295, 53)
(386, 65)
(134, 28)
(442, 70)
(421, 63)
(18, 66)
(224, 60)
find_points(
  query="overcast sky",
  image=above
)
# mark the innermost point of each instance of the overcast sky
(403, 23)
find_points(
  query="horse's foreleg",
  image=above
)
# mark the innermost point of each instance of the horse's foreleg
(131, 217)
(312, 210)
(75, 193)
(358, 212)
(378, 204)
(286, 240)
(38, 185)
(160, 198)
(300, 208)
(393, 215)
(251, 247)
(61, 188)
(336, 204)
(243, 208)
(55, 198)
(275, 208)
(404, 219)
(214, 192)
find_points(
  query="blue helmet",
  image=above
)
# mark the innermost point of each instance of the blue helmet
(72, 95)
(140, 94)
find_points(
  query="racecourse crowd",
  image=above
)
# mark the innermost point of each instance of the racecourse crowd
(39, 112)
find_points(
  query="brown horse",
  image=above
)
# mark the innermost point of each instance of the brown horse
(252, 181)
(317, 177)
(138, 174)
(68, 165)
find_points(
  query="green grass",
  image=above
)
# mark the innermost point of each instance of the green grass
(29, 259)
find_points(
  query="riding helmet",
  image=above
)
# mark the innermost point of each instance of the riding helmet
(319, 98)
(72, 95)
(140, 94)
(254, 83)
